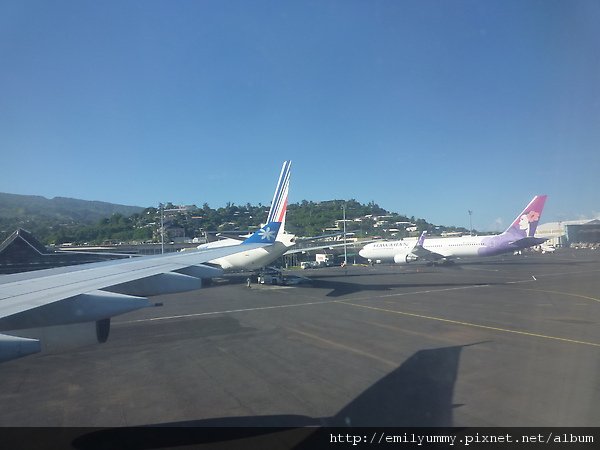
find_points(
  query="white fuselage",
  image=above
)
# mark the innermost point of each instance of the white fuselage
(256, 258)
(385, 251)
(227, 242)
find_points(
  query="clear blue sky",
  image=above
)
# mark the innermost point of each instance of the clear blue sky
(429, 108)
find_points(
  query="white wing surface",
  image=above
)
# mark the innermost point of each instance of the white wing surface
(41, 305)
(33, 289)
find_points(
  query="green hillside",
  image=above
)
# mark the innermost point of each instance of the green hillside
(60, 220)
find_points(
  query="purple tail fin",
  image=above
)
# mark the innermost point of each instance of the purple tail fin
(526, 223)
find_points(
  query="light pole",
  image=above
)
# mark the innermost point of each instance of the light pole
(162, 228)
(471, 222)
(345, 249)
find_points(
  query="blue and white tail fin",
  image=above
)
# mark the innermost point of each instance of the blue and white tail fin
(276, 218)
(280, 198)
(266, 235)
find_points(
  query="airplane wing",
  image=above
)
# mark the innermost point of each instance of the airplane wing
(22, 292)
(40, 306)
(328, 246)
(422, 253)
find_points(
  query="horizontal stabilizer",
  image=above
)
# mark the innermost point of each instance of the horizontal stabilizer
(528, 242)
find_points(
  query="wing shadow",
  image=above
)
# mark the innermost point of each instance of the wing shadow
(416, 394)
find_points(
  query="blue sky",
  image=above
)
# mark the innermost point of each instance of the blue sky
(429, 108)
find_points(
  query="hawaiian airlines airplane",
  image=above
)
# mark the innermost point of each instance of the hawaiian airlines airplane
(520, 235)
(258, 258)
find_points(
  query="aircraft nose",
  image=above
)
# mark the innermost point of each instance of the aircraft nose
(362, 252)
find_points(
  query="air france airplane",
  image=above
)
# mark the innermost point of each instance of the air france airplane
(64, 308)
(520, 235)
(258, 258)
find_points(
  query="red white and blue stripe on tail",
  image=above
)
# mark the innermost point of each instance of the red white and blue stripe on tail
(280, 198)
(276, 218)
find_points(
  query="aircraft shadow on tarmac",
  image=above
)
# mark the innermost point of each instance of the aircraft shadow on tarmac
(341, 288)
(521, 262)
(417, 393)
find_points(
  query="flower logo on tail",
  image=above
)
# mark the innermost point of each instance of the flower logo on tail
(526, 221)
(266, 234)
(533, 216)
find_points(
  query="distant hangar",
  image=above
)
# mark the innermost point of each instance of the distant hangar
(571, 232)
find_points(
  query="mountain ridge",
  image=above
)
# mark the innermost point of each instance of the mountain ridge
(13, 206)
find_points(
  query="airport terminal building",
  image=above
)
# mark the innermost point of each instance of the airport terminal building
(22, 252)
(569, 233)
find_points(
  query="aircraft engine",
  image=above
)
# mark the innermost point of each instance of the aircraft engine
(405, 258)
(51, 340)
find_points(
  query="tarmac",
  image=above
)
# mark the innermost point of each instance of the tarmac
(512, 341)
